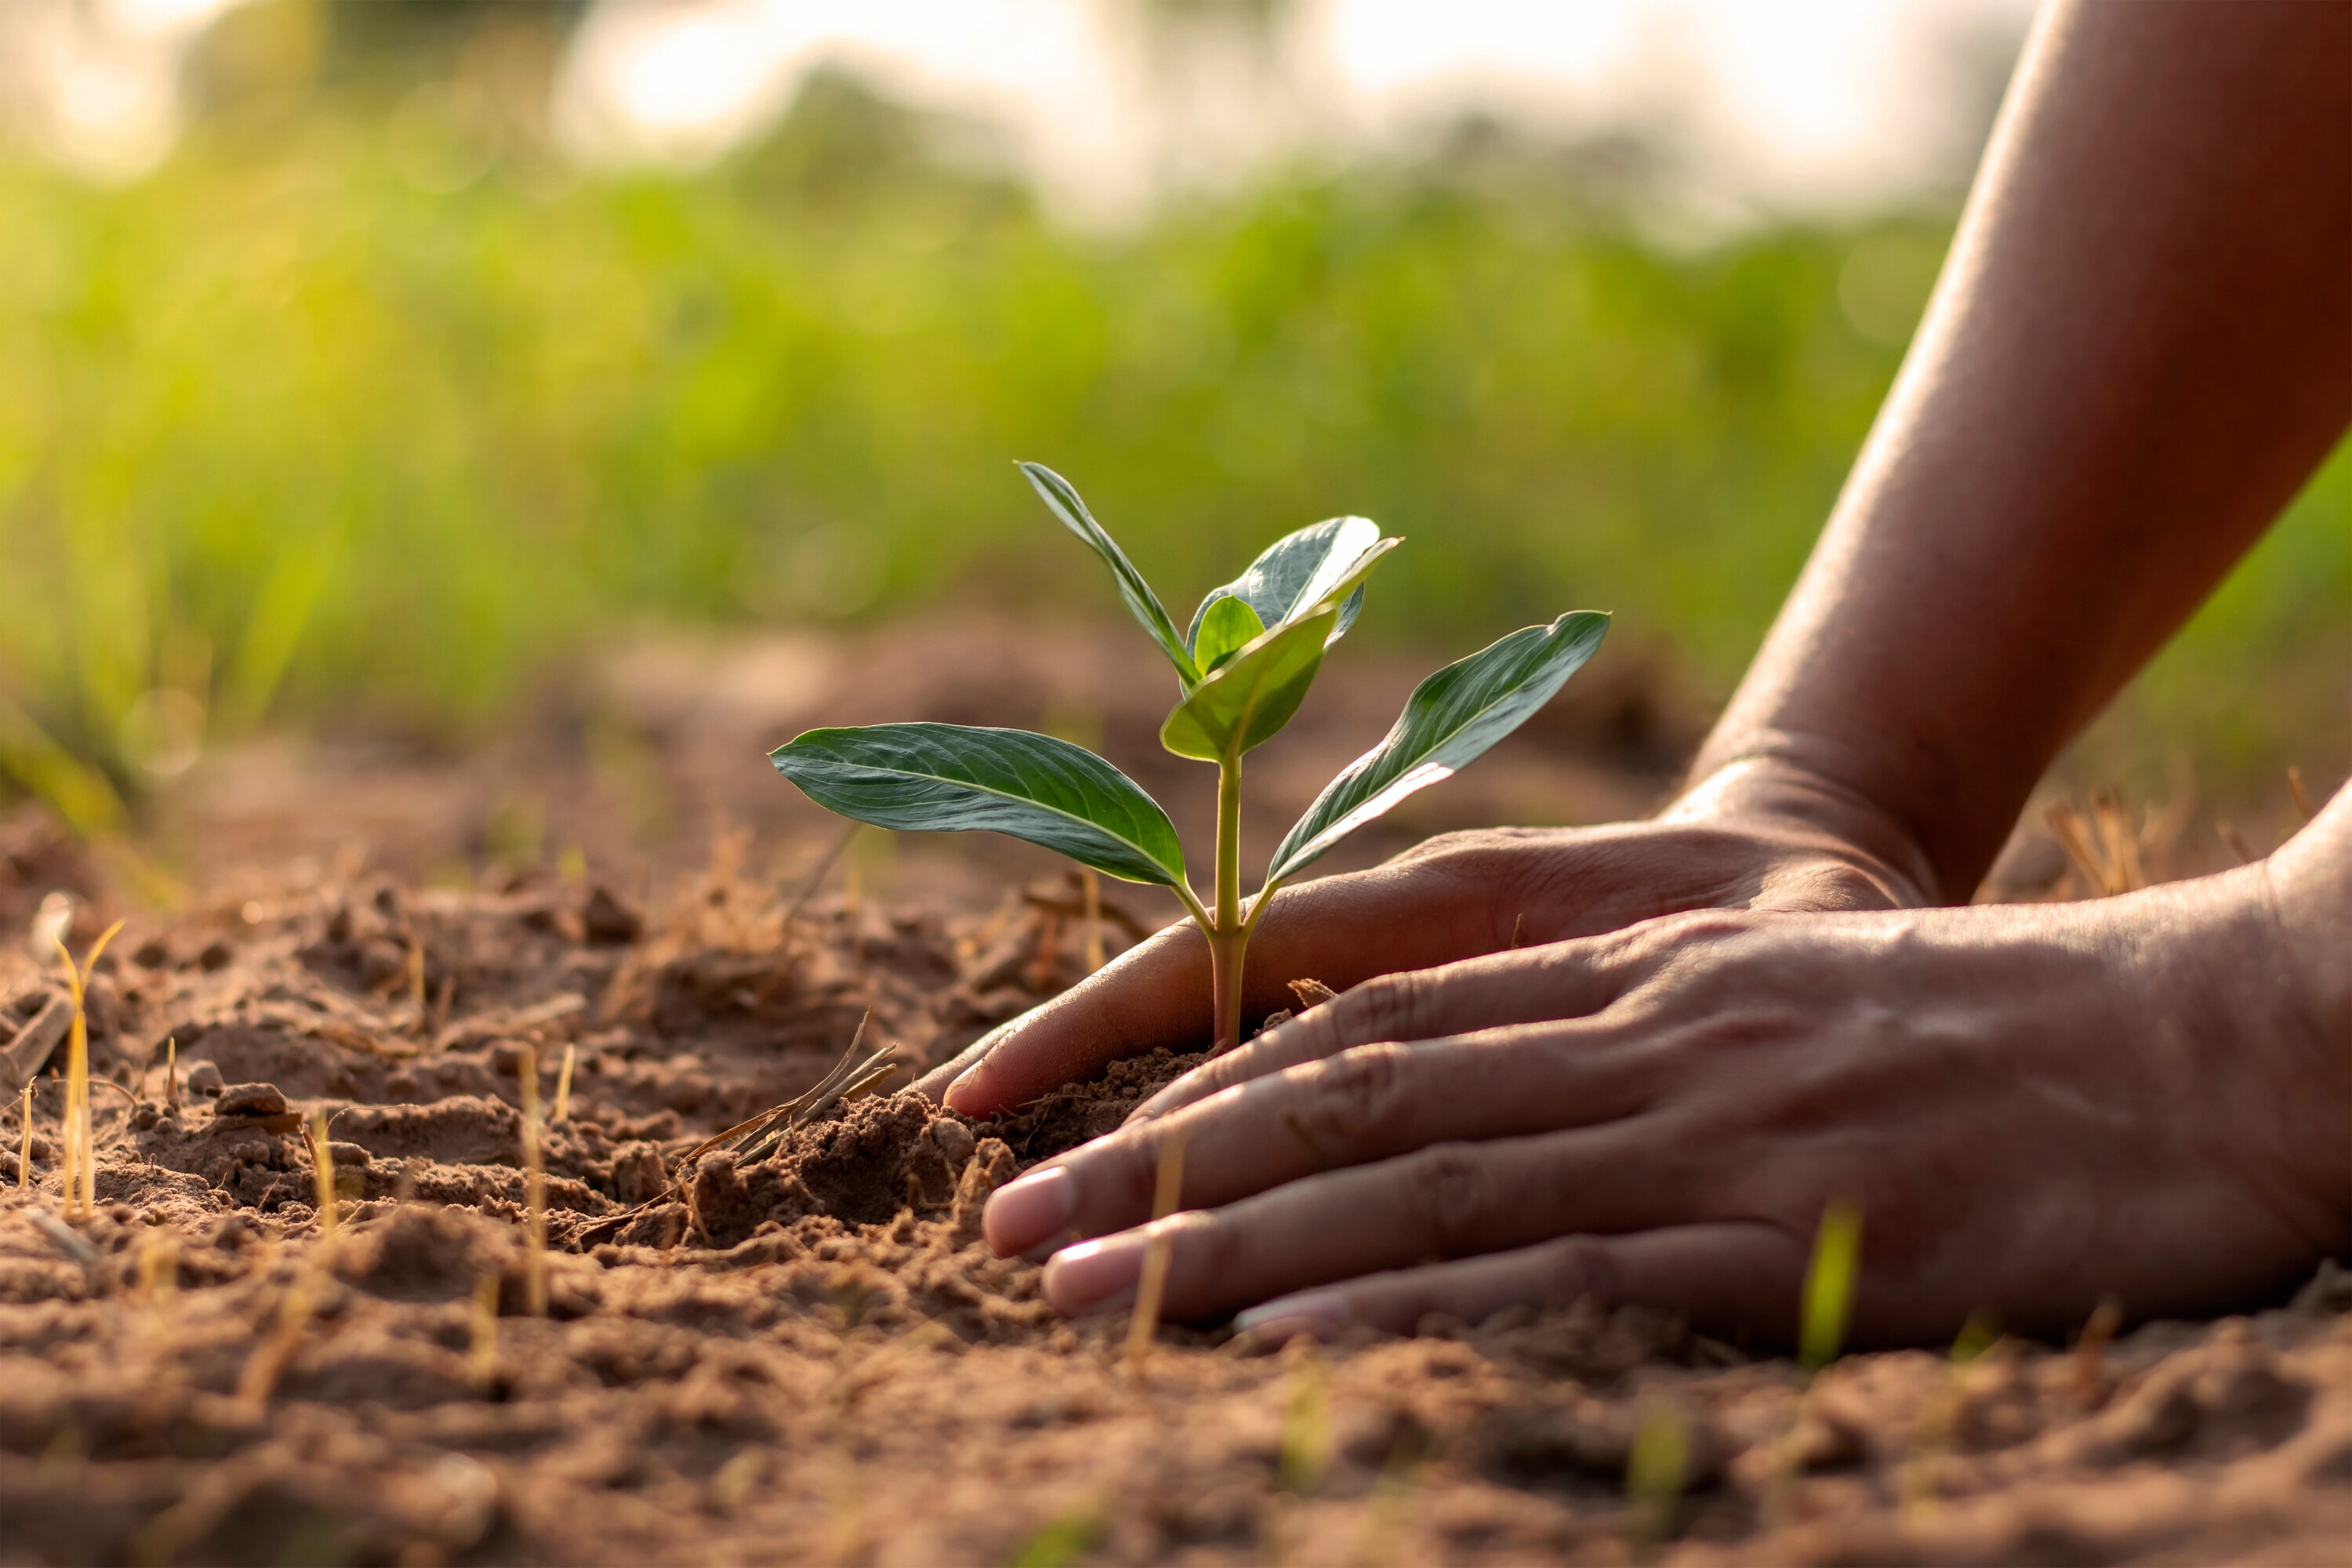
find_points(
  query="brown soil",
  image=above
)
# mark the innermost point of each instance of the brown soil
(812, 1358)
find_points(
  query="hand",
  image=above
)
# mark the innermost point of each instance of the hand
(1761, 835)
(2033, 1106)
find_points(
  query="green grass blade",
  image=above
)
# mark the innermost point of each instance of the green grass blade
(1450, 720)
(1141, 602)
(1829, 1284)
(950, 778)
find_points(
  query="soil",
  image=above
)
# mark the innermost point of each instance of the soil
(812, 1357)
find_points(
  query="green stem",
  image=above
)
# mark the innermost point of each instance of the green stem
(1230, 936)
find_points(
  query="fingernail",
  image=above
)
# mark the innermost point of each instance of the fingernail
(1301, 1314)
(1022, 1214)
(953, 1098)
(1095, 1276)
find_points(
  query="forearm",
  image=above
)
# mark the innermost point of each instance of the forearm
(2137, 353)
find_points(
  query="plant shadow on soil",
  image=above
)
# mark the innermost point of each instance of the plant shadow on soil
(812, 1357)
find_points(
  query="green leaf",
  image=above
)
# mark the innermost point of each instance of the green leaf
(1292, 576)
(1141, 602)
(1222, 630)
(1252, 695)
(1448, 721)
(950, 778)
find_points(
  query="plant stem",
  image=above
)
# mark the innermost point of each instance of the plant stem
(1230, 936)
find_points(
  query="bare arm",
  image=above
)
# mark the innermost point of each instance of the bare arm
(2141, 348)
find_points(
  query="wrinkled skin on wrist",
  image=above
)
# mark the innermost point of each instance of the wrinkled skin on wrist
(1757, 835)
(2033, 1105)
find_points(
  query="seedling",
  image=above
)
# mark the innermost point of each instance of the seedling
(1243, 668)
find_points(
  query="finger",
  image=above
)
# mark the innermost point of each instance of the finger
(1340, 930)
(1728, 1278)
(1563, 980)
(1368, 1104)
(1452, 1200)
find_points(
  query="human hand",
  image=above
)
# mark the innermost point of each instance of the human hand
(1760, 835)
(2033, 1106)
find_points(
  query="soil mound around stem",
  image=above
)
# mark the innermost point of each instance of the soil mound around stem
(806, 1351)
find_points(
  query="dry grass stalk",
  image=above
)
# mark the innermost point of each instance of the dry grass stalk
(2091, 1349)
(263, 1368)
(534, 1177)
(171, 1072)
(562, 1111)
(1091, 883)
(851, 1077)
(81, 1152)
(1152, 1287)
(2101, 845)
(158, 1271)
(322, 1166)
(484, 1360)
(25, 1149)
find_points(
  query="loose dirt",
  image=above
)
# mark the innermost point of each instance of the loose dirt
(812, 1357)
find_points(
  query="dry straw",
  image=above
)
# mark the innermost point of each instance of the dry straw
(81, 1182)
(322, 1166)
(25, 1149)
(485, 1358)
(563, 1086)
(534, 1176)
(1158, 1251)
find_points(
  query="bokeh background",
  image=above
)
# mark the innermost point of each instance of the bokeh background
(372, 369)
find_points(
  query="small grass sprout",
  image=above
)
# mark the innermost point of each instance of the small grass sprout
(562, 1111)
(1829, 1283)
(1306, 1452)
(322, 1166)
(1243, 668)
(80, 1181)
(484, 1361)
(534, 1180)
(1656, 1469)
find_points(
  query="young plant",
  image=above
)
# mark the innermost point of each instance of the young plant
(1242, 669)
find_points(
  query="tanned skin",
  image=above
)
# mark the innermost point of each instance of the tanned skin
(1766, 997)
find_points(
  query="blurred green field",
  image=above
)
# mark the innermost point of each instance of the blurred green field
(349, 418)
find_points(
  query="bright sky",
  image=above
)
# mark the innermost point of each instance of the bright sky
(1782, 102)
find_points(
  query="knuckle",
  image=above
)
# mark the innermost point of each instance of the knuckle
(1380, 1010)
(1207, 1247)
(1574, 1267)
(1447, 1195)
(1129, 1172)
(1360, 1097)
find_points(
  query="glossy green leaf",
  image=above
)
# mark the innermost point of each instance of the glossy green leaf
(1248, 699)
(1450, 720)
(1223, 629)
(950, 778)
(1292, 576)
(1141, 602)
